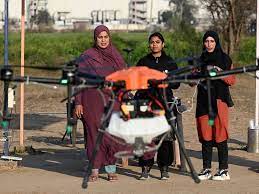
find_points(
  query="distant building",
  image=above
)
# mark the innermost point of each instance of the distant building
(146, 11)
(87, 13)
(34, 6)
(79, 14)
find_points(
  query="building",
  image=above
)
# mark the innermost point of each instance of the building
(116, 14)
(34, 6)
(147, 11)
(14, 13)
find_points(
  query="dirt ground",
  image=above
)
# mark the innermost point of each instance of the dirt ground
(57, 167)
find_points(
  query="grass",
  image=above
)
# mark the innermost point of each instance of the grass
(53, 49)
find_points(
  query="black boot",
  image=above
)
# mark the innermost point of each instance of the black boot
(145, 173)
(164, 173)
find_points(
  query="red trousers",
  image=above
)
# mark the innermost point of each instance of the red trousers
(219, 131)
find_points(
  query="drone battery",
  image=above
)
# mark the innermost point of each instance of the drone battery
(138, 109)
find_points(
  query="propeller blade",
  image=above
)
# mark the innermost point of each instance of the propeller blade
(34, 67)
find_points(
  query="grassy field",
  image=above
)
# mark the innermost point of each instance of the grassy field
(52, 49)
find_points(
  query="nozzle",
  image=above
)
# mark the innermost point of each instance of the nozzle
(211, 122)
(69, 129)
(4, 124)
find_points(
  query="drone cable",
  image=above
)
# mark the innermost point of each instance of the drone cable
(192, 100)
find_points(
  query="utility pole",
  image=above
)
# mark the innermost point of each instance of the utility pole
(257, 72)
(5, 122)
(150, 17)
(22, 74)
(151, 12)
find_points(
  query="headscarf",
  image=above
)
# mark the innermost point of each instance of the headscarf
(100, 29)
(214, 35)
(217, 57)
(102, 61)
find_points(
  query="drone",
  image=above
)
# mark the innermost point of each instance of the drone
(138, 122)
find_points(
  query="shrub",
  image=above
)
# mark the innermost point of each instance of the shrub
(247, 52)
(53, 49)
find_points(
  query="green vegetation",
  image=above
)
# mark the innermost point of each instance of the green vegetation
(247, 51)
(52, 49)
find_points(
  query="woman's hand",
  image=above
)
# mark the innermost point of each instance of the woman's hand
(79, 111)
(217, 68)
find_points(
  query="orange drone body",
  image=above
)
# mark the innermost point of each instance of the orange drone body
(137, 78)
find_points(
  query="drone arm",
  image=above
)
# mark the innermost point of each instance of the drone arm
(211, 113)
(28, 79)
(173, 67)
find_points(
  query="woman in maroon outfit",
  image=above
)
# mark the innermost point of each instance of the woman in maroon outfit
(101, 60)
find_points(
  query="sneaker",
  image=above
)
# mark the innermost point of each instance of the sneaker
(164, 172)
(221, 175)
(145, 173)
(205, 174)
(164, 175)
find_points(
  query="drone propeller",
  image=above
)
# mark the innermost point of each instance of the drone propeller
(48, 68)
(189, 59)
(193, 63)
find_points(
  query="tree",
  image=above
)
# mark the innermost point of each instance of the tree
(166, 17)
(42, 19)
(229, 17)
(184, 11)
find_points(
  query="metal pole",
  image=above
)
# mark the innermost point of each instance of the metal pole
(5, 123)
(6, 32)
(257, 72)
(150, 17)
(151, 12)
(22, 74)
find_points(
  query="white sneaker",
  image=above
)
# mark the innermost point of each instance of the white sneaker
(145, 173)
(221, 175)
(205, 174)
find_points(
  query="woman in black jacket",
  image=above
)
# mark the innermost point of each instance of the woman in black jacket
(158, 60)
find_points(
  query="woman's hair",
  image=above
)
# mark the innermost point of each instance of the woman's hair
(157, 34)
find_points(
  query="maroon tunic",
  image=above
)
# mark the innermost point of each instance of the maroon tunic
(101, 62)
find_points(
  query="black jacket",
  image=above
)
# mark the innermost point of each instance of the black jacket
(164, 63)
(219, 89)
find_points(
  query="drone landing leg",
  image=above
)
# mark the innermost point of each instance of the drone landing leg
(180, 130)
(66, 133)
(170, 120)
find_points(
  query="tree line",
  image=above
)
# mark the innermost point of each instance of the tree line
(231, 18)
